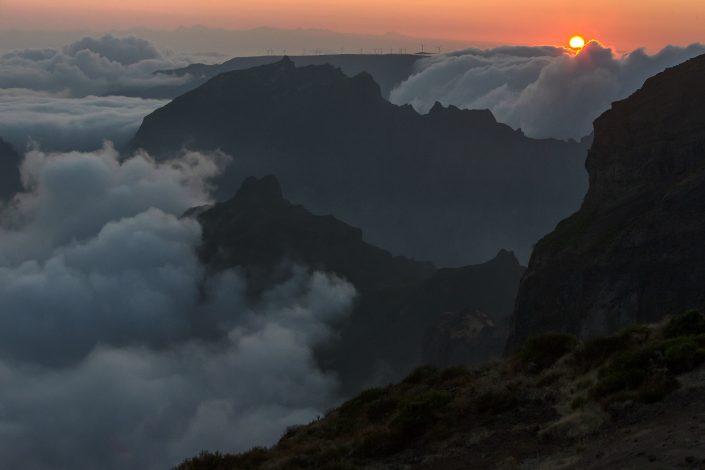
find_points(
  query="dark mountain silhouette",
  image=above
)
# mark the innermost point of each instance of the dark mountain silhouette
(10, 182)
(634, 251)
(388, 70)
(259, 229)
(457, 316)
(451, 186)
(406, 310)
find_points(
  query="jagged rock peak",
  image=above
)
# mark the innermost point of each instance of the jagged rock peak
(266, 188)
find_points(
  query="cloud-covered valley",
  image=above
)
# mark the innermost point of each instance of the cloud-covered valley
(91, 66)
(63, 123)
(117, 350)
(545, 91)
(64, 99)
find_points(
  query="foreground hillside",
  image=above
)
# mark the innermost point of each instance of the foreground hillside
(452, 186)
(632, 400)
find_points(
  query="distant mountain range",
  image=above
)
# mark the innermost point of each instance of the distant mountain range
(206, 41)
(634, 252)
(453, 186)
(407, 313)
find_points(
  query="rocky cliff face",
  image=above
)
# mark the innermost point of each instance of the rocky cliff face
(634, 252)
(452, 186)
(10, 181)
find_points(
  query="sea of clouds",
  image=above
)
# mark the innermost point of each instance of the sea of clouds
(545, 91)
(69, 98)
(116, 349)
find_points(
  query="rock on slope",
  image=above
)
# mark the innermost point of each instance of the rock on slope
(452, 186)
(10, 182)
(634, 252)
(408, 312)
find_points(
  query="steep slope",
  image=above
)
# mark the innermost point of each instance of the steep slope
(452, 186)
(630, 401)
(634, 251)
(407, 313)
(10, 182)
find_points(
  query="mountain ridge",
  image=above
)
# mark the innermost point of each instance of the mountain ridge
(339, 147)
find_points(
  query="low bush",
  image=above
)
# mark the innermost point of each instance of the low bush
(683, 355)
(495, 401)
(543, 351)
(690, 323)
(418, 414)
(422, 374)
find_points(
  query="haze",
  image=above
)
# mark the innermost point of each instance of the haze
(624, 25)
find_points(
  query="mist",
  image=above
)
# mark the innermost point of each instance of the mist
(118, 350)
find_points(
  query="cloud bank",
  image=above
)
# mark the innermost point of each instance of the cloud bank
(545, 91)
(89, 67)
(59, 99)
(58, 123)
(116, 350)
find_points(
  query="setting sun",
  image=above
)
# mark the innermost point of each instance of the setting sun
(577, 42)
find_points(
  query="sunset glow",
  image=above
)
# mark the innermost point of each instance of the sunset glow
(577, 42)
(626, 25)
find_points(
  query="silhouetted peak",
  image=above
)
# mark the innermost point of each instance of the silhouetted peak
(286, 63)
(506, 257)
(472, 117)
(437, 108)
(266, 188)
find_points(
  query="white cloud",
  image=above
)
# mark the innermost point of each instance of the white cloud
(89, 67)
(547, 92)
(116, 350)
(63, 123)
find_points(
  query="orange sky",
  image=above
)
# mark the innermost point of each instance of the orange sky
(624, 24)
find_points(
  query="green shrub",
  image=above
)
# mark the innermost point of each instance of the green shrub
(690, 323)
(375, 442)
(381, 409)
(495, 401)
(423, 374)
(597, 350)
(416, 416)
(454, 374)
(355, 405)
(543, 351)
(683, 356)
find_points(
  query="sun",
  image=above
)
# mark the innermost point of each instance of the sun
(577, 42)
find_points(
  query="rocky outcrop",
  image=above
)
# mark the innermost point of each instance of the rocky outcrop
(10, 182)
(452, 186)
(634, 252)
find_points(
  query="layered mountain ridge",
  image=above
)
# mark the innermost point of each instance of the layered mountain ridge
(407, 312)
(453, 186)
